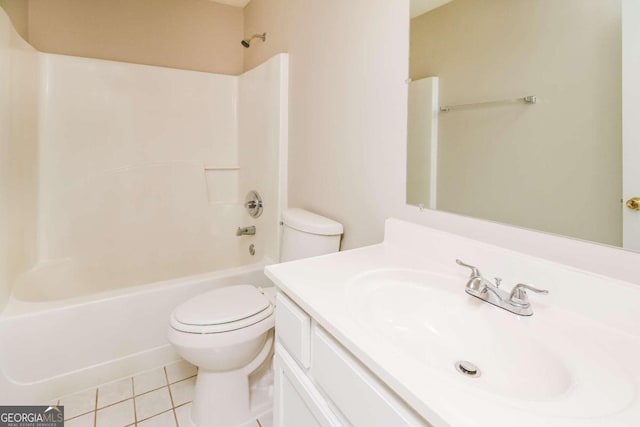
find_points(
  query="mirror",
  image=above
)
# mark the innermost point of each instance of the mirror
(515, 113)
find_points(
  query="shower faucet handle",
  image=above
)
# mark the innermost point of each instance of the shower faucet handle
(253, 204)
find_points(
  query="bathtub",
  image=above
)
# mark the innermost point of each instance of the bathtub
(49, 349)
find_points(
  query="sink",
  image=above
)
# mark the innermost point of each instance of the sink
(536, 361)
(400, 308)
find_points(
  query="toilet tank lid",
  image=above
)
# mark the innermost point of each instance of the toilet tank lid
(309, 222)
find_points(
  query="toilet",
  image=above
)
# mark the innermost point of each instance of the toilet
(229, 332)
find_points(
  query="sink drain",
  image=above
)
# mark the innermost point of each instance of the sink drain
(467, 368)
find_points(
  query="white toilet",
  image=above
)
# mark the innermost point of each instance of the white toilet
(228, 333)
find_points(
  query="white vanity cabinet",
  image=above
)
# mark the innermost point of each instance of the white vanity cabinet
(319, 383)
(377, 331)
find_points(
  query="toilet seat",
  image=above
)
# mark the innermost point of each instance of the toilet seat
(222, 310)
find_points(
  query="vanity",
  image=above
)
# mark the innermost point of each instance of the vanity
(386, 335)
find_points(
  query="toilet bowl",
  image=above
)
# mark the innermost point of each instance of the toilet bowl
(228, 334)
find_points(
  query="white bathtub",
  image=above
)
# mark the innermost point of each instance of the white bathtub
(49, 349)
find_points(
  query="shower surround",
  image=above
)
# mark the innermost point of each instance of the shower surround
(122, 186)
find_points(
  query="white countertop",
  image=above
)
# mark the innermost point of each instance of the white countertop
(606, 311)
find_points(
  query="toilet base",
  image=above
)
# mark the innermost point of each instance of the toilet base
(225, 399)
(222, 399)
(234, 406)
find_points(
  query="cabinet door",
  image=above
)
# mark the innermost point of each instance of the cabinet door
(296, 402)
(357, 394)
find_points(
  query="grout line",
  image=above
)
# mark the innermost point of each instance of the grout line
(135, 411)
(149, 391)
(167, 382)
(173, 407)
(182, 404)
(114, 403)
(183, 379)
(157, 388)
(95, 411)
(97, 408)
(166, 377)
(154, 415)
(84, 413)
(133, 398)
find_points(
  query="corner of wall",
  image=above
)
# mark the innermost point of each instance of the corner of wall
(18, 12)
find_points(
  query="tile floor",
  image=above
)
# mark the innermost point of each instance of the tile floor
(159, 397)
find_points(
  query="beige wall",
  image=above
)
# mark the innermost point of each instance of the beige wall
(18, 11)
(188, 34)
(347, 105)
(554, 166)
(273, 17)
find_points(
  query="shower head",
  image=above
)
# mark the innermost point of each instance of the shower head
(247, 42)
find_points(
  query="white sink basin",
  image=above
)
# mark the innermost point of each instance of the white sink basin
(548, 361)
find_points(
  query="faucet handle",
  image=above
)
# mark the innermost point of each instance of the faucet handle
(474, 270)
(518, 295)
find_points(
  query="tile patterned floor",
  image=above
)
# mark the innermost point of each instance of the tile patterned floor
(156, 398)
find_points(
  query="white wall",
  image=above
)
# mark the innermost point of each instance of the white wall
(348, 112)
(347, 105)
(18, 154)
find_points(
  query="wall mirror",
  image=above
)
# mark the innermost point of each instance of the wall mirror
(516, 114)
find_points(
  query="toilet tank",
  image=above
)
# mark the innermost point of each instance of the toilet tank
(306, 234)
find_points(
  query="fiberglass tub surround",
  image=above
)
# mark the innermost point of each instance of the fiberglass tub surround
(139, 180)
(143, 172)
(401, 308)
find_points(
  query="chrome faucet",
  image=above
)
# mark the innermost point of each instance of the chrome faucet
(246, 231)
(517, 301)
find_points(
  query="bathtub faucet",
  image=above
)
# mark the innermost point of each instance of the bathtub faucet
(246, 231)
